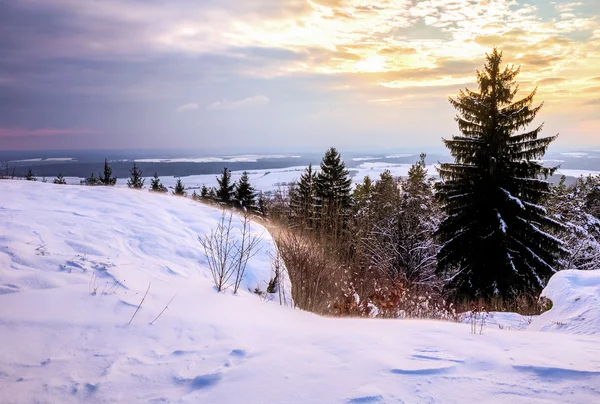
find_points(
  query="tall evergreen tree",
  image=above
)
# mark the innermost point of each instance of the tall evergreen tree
(494, 234)
(332, 185)
(107, 178)
(245, 194)
(179, 188)
(302, 197)
(156, 185)
(59, 179)
(135, 178)
(225, 190)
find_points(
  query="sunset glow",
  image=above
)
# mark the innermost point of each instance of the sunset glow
(127, 69)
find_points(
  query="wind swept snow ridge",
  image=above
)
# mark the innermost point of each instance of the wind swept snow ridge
(575, 297)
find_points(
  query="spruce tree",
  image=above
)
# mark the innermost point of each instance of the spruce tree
(135, 178)
(30, 176)
(332, 185)
(156, 185)
(204, 192)
(302, 197)
(92, 180)
(245, 194)
(494, 236)
(59, 179)
(179, 188)
(107, 178)
(225, 190)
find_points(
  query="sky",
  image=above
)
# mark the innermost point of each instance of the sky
(276, 75)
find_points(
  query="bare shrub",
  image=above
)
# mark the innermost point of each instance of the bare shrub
(246, 249)
(227, 255)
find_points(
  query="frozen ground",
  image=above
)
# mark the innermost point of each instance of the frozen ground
(59, 343)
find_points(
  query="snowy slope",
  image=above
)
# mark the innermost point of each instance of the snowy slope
(61, 344)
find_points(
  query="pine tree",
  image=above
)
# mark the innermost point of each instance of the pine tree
(494, 236)
(156, 185)
(92, 180)
(225, 190)
(30, 176)
(302, 197)
(107, 178)
(332, 185)
(135, 178)
(245, 194)
(179, 188)
(204, 192)
(59, 179)
(262, 204)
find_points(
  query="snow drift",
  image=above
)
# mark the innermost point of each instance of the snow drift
(575, 297)
(61, 343)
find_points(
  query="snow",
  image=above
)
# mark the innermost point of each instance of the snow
(249, 158)
(575, 297)
(270, 180)
(576, 173)
(574, 154)
(61, 343)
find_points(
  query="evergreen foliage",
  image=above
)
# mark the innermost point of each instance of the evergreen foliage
(302, 197)
(135, 178)
(92, 180)
(204, 193)
(30, 176)
(107, 178)
(225, 191)
(179, 188)
(156, 185)
(59, 179)
(332, 184)
(262, 204)
(245, 194)
(570, 205)
(495, 236)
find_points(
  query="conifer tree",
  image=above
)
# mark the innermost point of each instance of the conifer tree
(179, 188)
(30, 176)
(59, 179)
(332, 185)
(494, 236)
(92, 180)
(363, 192)
(204, 192)
(225, 190)
(302, 197)
(156, 185)
(107, 178)
(244, 194)
(262, 203)
(135, 178)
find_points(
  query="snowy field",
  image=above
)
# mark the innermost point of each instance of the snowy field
(59, 343)
(277, 179)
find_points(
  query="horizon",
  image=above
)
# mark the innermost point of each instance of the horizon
(283, 75)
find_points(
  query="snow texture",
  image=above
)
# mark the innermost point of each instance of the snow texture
(60, 343)
(575, 297)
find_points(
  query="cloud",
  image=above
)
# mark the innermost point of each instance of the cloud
(21, 132)
(192, 106)
(246, 102)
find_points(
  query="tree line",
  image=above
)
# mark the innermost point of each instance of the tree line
(492, 227)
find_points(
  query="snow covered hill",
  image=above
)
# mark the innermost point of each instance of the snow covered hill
(60, 343)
